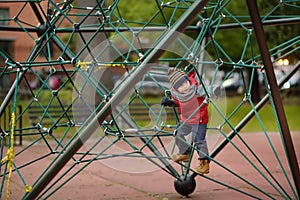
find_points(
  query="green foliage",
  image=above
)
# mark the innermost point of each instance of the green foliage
(148, 11)
(139, 11)
(281, 33)
(71, 41)
(233, 39)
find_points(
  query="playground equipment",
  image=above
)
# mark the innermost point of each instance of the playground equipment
(106, 71)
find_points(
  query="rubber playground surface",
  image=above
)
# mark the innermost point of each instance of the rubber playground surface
(99, 181)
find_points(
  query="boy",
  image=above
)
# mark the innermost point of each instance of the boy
(188, 95)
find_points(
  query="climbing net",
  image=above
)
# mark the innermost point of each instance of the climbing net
(93, 82)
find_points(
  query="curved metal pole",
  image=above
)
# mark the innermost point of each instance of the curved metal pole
(153, 56)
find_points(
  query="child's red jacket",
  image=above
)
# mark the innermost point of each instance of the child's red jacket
(187, 108)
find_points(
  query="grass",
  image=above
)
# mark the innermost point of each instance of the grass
(266, 117)
(264, 120)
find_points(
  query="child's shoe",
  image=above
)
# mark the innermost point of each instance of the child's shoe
(180, 157)
(203, 167)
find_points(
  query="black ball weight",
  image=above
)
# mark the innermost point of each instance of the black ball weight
(185, 185)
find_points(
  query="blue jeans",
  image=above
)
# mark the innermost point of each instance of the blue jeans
(199, 139)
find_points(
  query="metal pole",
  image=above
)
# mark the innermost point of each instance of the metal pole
(251, 114)
(168, 38)
(292, 159)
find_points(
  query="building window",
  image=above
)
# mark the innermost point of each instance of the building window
(4, 16)
(7, 47)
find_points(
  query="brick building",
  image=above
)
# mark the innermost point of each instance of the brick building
(14, 40)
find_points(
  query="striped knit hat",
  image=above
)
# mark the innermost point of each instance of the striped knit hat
(177, 77)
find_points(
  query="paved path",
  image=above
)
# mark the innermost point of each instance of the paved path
(99, 181)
